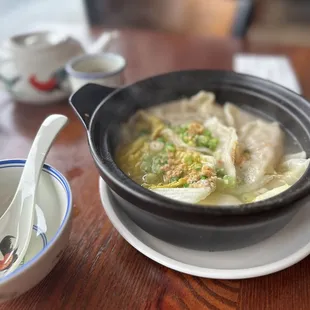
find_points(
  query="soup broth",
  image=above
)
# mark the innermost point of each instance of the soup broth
(196, 151)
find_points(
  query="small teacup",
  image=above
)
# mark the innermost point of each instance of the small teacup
(33, 69)
(105, 69)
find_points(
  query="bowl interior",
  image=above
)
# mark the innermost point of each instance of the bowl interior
(95, 66)
(265, 99)
(51, 206)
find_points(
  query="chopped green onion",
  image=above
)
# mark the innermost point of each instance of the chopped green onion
(220, 172)
(144, 132)
(145, 166)
(203, 177)
(188, 160)
(185, 137)
(157, 163)
(174, 179)
(229, 181)
(184, 129)
(198, 167)
(191, 143)
(213, 144)
(181, 129)
(177, 130)
(151, 178)
(207, 133)
(202, 141)
(170, 147)
(161, 139)
(186, 185)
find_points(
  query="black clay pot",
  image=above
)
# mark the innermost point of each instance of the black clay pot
(103, 110)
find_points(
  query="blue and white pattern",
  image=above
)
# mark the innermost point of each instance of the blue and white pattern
(13, 163)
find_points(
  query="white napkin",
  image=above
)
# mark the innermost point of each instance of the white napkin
(277, 69)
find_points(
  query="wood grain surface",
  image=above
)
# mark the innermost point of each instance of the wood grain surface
(99, 269)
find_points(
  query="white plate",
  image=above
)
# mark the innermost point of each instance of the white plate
(284, 249)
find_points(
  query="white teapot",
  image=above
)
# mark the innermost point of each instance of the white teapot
(32, 68)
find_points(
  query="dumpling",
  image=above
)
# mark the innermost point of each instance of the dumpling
(292, 169)
(189, 195)
(289, 172)
(196, 108)
(220, 199)
(139, 124)
(172, 137)
(252, 188)
(261, 150)
(227, 146)
(196, 190)
(236, 117)
(300, 155)
(196, 151)
(272, 192)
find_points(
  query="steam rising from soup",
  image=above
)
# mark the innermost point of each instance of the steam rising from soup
(196, 151)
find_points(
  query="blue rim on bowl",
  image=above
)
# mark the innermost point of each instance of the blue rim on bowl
(94, 75)
(13, 163)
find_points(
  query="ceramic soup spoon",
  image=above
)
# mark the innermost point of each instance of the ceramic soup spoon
(17, 221)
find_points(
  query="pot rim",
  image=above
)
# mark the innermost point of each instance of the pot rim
(158, 204)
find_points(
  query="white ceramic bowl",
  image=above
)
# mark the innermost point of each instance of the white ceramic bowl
(50, 232)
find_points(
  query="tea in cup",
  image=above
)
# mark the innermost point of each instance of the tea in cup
(104, 68)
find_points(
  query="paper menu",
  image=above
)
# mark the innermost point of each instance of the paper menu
(277, 69)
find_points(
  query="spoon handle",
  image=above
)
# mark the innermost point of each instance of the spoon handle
(39, 150)
(22, 211)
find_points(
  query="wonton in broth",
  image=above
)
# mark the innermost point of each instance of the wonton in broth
(196, 151)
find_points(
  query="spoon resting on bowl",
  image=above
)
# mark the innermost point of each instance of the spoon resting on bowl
(17, 221)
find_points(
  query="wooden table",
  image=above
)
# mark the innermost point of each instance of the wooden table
(99, 269)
